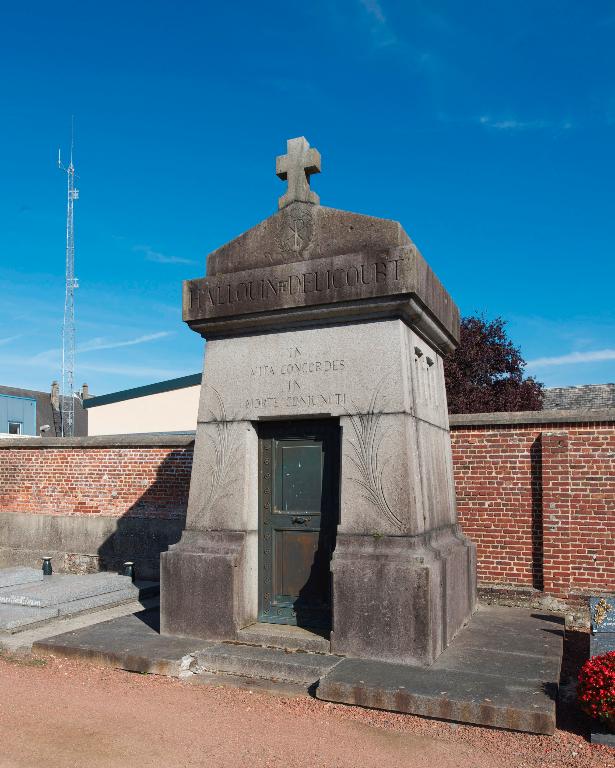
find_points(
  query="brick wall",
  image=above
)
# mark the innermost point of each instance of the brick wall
(535, 492)
(112, 478)
(539, 501)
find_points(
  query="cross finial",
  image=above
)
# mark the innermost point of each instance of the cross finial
(296, 166)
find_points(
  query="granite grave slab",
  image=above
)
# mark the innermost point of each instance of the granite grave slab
(11, 577)
(64, 588)
(17, 618)
(27, 605)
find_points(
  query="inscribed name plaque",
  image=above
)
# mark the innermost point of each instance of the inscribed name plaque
(321, 281)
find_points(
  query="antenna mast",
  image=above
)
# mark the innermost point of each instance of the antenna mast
(67, 399)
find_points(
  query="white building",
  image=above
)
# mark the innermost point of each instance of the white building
(166, 406)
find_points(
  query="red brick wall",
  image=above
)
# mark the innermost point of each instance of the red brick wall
(119, 481)
(539, 501)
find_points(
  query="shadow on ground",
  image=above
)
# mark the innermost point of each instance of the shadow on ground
(576, 652)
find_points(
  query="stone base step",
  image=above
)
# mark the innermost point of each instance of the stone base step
(466, 697)
(502, 670)
(127, 642)
(264, 663)
(284, 636)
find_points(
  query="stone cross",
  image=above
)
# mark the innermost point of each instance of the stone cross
(296, 166)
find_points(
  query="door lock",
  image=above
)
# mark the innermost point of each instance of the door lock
(300, 520)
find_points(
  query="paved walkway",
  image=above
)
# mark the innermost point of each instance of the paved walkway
(65, 713)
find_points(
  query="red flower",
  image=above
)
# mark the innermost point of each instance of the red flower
(596, 691)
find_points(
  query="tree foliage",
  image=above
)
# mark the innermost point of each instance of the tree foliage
(485, 373)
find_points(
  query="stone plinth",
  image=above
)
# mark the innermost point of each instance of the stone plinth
(401, 598)
(319, 313)
(211, 574)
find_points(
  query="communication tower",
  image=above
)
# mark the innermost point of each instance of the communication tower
(67, 398)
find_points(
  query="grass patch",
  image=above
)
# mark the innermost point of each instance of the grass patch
(24, 659)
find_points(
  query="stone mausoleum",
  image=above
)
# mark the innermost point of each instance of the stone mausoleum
(322, 488)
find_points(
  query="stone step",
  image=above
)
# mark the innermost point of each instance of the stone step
(64, 588)
(10, 577)
(266, 663)
(128, 642)
(465, 696)
(284, 636)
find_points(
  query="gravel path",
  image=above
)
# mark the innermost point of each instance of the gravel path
(62, 714)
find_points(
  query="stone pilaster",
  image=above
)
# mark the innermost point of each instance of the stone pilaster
(556, 513)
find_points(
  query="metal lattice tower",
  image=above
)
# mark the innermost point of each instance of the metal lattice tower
(67, 398)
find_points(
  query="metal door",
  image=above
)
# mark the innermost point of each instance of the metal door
(299, 503)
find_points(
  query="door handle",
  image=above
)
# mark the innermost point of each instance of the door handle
(299, 520)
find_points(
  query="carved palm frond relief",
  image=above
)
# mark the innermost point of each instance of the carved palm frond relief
(225, 448)
(366, 456)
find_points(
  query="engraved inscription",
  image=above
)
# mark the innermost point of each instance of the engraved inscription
(292, 376)
(324, 282)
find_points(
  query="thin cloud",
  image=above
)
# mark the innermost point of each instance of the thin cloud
(374, 9)
(9, 339)
(95, 345)
(161, 258)
(132, 370)
(51, 356)
(382, 34)
(573, 358)
(513, 124)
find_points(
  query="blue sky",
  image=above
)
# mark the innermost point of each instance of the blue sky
(486, 128)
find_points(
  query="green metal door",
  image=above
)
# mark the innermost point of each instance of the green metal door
(299, 507)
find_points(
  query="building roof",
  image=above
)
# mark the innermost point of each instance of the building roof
(47, 414)
(590, 396)
(194, 380)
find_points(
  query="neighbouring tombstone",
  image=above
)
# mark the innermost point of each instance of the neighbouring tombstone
(322, 486)
(602, 640)
(602, 617)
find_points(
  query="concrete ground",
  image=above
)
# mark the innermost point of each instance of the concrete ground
(62, 713)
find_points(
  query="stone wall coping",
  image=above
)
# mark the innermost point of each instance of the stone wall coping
(185, 439)
(560, 416)
(162, 440)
